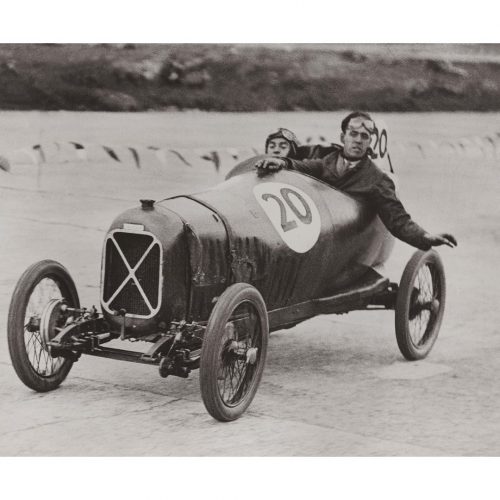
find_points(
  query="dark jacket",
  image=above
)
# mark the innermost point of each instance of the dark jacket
(367, 182)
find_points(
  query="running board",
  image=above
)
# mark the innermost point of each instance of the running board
(376, 293)
(350, 300)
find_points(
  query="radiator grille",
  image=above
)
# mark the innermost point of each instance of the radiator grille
(132, 273)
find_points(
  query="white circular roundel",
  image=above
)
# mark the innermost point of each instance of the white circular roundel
(292, 213)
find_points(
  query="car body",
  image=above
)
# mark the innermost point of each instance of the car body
(291, 236)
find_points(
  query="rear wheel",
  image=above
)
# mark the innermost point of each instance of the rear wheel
(36, 315)
(420, 304)
(233, 352)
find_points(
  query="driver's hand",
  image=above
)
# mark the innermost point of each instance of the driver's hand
(442, 239)
(269, 165)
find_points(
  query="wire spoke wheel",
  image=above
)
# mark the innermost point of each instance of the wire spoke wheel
(233, 352)
(420, 304)
(236, 370)
(35, 318)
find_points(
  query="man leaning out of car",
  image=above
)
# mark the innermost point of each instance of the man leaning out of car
(349, 168)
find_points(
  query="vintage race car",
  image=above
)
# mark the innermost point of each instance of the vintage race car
(204, 278)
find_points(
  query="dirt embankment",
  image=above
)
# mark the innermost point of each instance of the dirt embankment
(137, 77)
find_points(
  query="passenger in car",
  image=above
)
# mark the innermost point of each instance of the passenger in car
(350, 169)
(282, 143)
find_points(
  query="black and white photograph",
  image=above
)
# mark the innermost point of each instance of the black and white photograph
(249, 249)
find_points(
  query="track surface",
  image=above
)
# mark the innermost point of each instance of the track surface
(333, 385)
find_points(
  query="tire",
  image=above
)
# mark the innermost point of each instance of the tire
(41, 283)
(234, 351)
(420, 304)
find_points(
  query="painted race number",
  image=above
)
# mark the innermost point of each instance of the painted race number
(292, 213)
(379, 144)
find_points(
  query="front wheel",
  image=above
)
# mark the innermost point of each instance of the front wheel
(233, 352)
(420, 304)
(36, 315)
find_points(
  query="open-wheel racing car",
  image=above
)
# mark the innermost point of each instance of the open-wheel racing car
(205, 277)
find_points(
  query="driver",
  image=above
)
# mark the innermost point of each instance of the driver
(282, 143)
(350, 169)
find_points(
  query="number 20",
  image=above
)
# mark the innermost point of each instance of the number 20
(288, 225)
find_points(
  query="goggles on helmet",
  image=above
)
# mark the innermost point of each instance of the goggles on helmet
(360, 122)
(286, 134)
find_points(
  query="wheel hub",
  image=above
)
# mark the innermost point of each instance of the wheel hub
(240, 350)
(50, 318)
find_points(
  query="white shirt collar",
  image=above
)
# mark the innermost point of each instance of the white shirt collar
(350, 163)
